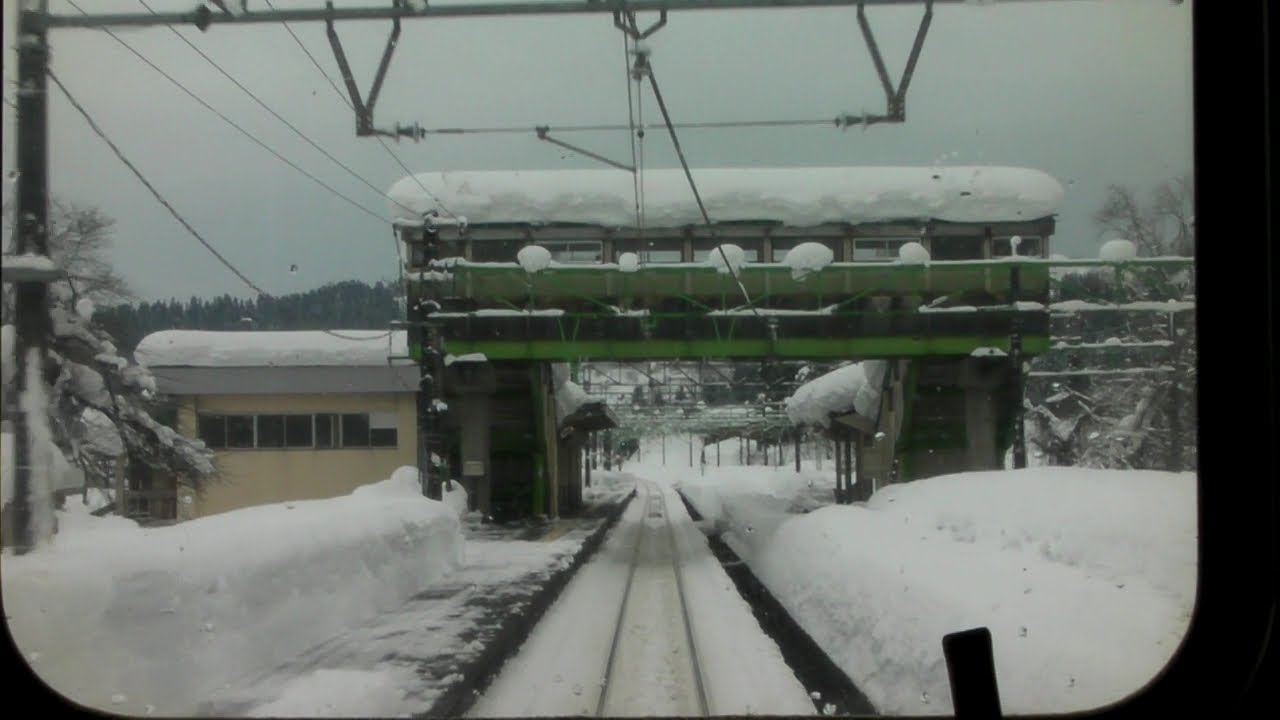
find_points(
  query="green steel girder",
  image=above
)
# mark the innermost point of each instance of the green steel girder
(508, 282)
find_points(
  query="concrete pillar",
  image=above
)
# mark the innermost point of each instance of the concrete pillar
(979, 381)
(980, 429)
(475, 419)
(839, 469)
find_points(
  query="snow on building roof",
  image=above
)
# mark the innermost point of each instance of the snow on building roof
(795, 196)
(299, 348)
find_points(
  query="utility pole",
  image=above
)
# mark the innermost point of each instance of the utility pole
(31, 236)
(1015, 359)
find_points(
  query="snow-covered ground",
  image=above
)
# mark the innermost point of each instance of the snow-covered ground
(1086, 578)
(560, 669)
(138, 621)
(400, 662)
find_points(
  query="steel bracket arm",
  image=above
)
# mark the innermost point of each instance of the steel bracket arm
(364, 108)
(895, 97)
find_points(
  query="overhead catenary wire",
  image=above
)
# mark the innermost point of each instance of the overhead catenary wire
(675, 141)
(233, 124)
(97, 130)
(275, 114)
(142, 178)
(343, 97)
(637, 178)
(839, 121)
(395, 240)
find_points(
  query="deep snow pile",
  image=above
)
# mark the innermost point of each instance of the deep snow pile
(852, 387)
(534, 258)
(1086, 578)
(807, 257)
(727, 258)
(1119, 249)
(294, 348)
(137, 620)
(569, 395)
(913, 253)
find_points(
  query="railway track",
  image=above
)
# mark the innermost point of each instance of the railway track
(649, 654)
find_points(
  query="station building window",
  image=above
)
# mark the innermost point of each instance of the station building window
(319, 431)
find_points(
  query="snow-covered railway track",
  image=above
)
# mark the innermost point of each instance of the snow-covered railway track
(645, 635)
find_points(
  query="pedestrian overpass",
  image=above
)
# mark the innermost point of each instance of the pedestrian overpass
(944, 273)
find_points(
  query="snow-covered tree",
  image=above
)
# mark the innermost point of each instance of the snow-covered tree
(98, 406)
(1131, 398)
(80, 239)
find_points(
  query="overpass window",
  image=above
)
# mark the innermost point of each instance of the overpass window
(878, 249)
(781, 248)
(1028, 247)
(751, 254)
(956, 248)
(575, 252)
(495, 250)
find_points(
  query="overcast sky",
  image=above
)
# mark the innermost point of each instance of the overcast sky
(1093, 92)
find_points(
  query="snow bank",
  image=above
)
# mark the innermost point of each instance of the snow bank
(534, 258)
(727, 258)
(1050, 559)
(139, 620)
(913, 253)
(852, 387)
(795, 196)
(455, 496)
(1118, 250)
(807, 257)
(199, 348)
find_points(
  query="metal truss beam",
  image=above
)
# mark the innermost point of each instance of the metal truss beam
(201, 14)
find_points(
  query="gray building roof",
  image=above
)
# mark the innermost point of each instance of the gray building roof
(286, 380)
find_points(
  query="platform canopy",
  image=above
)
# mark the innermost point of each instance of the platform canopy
(797, 196)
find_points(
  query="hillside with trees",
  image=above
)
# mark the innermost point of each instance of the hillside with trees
(349, 305)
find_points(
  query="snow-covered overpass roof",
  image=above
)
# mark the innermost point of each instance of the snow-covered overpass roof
(796, 196)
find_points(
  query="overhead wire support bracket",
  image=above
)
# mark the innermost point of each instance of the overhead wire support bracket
(363, 108)
(895, 97)
(543, 134)
(632, 29)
